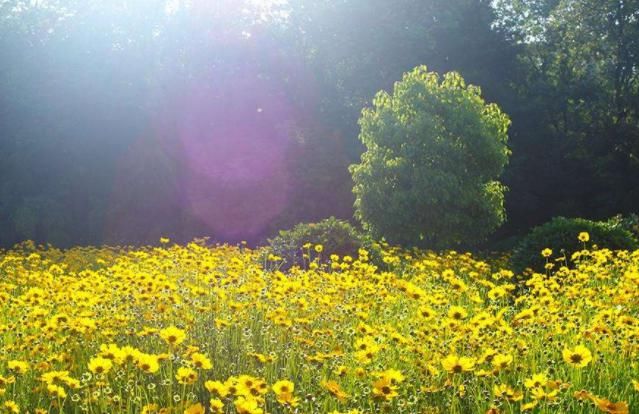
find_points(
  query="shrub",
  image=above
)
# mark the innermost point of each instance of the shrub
(434, 151)
(628, 222)
(336, 236)
(560, 234)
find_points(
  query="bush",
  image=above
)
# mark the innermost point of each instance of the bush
(560, 234)
(434, 151)
(628, 222)
(336, 236)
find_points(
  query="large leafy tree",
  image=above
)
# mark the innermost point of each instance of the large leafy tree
(576, 130)
(434, 153)
(354, 48)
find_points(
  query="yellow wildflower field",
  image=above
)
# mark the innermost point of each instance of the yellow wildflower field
(195, 329)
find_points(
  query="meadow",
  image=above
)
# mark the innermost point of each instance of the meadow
(223, 329)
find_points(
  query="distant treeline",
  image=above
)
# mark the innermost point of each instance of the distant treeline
(121, 122)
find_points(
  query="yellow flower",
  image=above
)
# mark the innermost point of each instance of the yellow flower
(148, 363)
(382, 388)
(488, 356)
(610, 407)
(283, 386)
(217, 406)
(18, 367)
(537, 380)
(112, 352)
(251, 386)
(150, 409)
(186, 375)
(195, 409)
(261, 357)
(319, 248)
(287, 399)
(284, 393)
(4, 381)
(247, 406)
(231, 385)
(11, 407)
(583, 395)
(72, 383)
(504, 391)
(394, 376)
(541, 394)
(173, 335)
(546, 252)
(99, 365)
(335, 389)
(201, 361)
(127, 354)
(454, 364)
(501, 361)
(426, 312)
(217, 388)
(53, 376)
(56, 391)
(584, 237)
(366, 348)
(457, 313)
(578, 357)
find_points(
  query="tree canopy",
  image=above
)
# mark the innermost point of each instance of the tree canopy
(434, 153)
(124, 121)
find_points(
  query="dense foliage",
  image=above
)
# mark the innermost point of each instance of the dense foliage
(96, 98)
(628, 222)
(434, 152)
(335, 236)
(575, 134)
(188, 329)
(560, 234)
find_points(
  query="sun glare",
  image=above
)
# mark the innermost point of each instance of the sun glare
(261, 10)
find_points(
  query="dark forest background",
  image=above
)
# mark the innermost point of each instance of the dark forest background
(123, 121)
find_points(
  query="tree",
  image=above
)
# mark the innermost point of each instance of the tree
(348, 63)
(575, 134)
(434, 152)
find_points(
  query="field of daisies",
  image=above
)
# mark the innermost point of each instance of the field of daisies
(224, 329)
